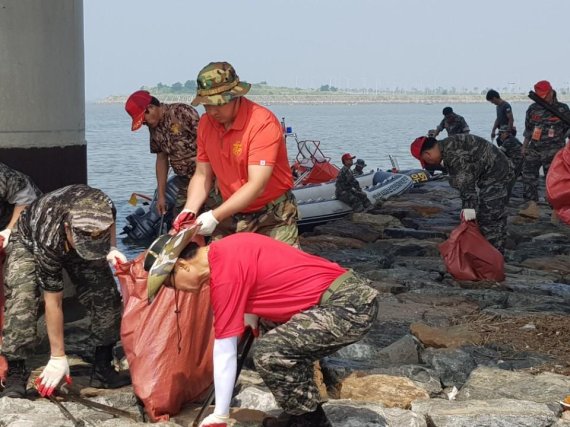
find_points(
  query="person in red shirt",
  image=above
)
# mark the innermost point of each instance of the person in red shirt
(242, 144)
(322, 308)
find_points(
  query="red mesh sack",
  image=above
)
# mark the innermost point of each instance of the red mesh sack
(558, 184)
(3, 363)
(165, 378)
(469, 256)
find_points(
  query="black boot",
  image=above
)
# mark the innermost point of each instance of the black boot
(104, 374)
(16, 381)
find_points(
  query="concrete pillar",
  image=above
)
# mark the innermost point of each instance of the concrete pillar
(42, 95)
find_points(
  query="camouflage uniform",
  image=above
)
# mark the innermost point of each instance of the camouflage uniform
(458, 126)
(546, 134)
(347, 190)
(477, 166)
(175, 135)
(284, 356)
(512, 148)
(15, 189)
(38, 254)
(278, 220)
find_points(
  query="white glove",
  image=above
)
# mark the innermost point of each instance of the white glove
(468, 214)
(216, 420)
(208, 223)
(115, 256)
(6, 234)
(56, 369)
(252, 320)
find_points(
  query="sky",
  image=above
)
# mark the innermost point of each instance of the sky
(349, 44)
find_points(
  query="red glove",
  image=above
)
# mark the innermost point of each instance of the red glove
(183, 220)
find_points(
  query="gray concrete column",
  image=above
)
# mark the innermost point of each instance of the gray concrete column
(42, 95)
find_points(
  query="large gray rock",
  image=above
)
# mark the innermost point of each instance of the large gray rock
(452, 365)
(255, 398)
(347, 413)
(492, 413)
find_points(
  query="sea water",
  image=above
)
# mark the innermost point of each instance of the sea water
(120, 162)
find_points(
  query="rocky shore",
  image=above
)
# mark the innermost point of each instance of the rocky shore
(442, 353)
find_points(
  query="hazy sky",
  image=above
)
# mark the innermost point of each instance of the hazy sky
(307, 43)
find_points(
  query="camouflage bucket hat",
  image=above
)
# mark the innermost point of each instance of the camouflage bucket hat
(91, 229)
(218, 84)
(162, 255)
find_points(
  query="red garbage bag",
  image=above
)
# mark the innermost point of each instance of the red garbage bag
(469, 256)
(558, 184)
(165, 378)
(3, 362)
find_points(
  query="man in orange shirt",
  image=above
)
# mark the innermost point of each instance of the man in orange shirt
(242, 144)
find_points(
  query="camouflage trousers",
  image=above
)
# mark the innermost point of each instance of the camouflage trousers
(491, 212)
(213, 201)
(357, 200)
(284, 357)
(96, 291)
(277, 220)
(537, 155)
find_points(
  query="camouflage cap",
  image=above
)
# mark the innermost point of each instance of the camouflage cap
(90, 221)
(218, 84)
(164, 262)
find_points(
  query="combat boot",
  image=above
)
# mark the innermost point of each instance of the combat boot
(16, 381)
(531, 211)
(104, 374)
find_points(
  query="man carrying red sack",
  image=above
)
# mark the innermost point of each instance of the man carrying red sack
(481, 173)
(322, 308)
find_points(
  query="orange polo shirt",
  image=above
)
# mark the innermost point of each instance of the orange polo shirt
(255, 138)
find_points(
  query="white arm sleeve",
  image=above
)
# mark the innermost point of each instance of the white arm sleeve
(225, 366)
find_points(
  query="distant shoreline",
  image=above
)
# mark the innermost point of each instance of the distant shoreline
(347, 98)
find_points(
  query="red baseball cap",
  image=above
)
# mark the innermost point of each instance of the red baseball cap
(136, 106)
(347, 156)
(416, 149)
(542, 88)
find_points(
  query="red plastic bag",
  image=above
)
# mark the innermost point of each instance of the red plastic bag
(163, 378)
(558, 184)
(469, 256)
(3, 362)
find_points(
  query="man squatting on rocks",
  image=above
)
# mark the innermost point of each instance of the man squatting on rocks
(172, 129)
(71, 228)
(453, 123)
(241, 143)
(321, 306)
(17, 191)
(473, 164)
(347, 188)
(544, 135)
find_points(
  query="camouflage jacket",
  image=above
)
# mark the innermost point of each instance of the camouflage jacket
(455, 127)
(542, 124)
(473, 163)
(512, 148)
(41, 230)
(15, 189)
(175, 135)
(346, 182)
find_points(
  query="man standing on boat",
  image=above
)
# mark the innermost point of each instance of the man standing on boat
(72, 228)
(481, 173)
(242, 144)
(504, 114)
(17, 191)
(172, 129)
(347, 188)
(453, 123)
(544, 135)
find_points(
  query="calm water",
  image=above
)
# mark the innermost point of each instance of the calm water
(120, 162)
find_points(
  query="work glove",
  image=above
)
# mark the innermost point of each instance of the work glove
(468, 214)
(115, 256)
(56, 369)
(208, 223)
(252, 321)
(6, 234)
(214, 420)
(183, 220)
